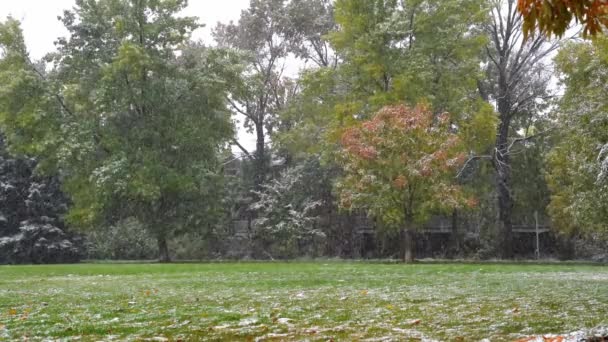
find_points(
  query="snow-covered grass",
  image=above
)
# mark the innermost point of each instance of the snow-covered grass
(300, 301)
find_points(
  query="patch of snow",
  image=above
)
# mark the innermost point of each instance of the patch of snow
(271, 336)
(4, 332)
(248, 321)
(159, 339)
(113, 320)
(575, 336)
(284, 320)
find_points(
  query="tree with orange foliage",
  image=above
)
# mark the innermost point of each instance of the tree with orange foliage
(554, 16)
(399, 166)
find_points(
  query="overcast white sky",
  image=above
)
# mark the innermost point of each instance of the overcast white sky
(41, 26)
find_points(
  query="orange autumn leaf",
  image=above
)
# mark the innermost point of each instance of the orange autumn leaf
(554, 16)
(553, 339)
(400, 182)
(401, 150)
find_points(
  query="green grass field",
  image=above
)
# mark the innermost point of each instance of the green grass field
(299, 301)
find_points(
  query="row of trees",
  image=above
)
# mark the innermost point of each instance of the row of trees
(402, 110)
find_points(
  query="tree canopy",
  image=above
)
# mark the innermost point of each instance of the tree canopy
(577, 173)
(553, 17)
(371, 119)
(400, 167)
(127, 109)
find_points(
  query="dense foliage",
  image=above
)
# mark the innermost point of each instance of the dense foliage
(289, 207)
(554, 17)
(381, 128)
(136, 129)
(400, 167)
(578, 166)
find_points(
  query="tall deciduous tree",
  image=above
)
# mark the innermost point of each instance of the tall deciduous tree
(390, 52)
(578, 167)
(517, 83)
(309, 21)
(400, 166)
(261, 89)
(131, 118)
(387, 52)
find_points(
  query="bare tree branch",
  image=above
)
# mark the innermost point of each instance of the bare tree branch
(237, 144)
(470, 160)
(528, 138)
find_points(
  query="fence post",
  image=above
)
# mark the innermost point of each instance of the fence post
(537, 251)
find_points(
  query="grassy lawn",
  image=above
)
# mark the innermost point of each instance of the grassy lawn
(299, 301)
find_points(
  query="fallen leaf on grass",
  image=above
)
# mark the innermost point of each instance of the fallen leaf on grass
(544, 339)
(12, 312)
(514, 311)
(414, 322)
(311, 331)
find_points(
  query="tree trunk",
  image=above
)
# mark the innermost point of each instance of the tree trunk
(407, 245)
(260, 155)
(456, 235)
(163, 250)
(502, 165)
(565, 246)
